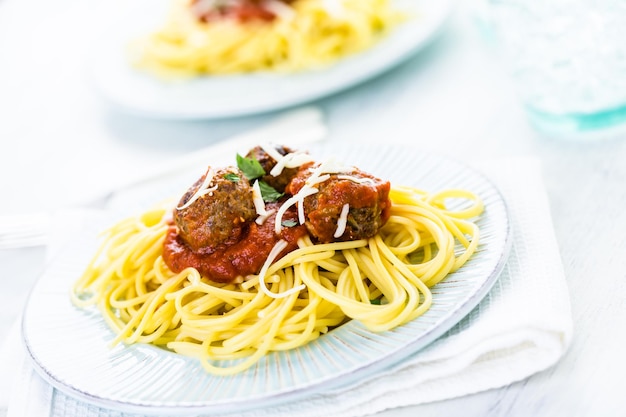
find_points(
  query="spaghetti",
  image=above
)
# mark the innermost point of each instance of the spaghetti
(382, 281)
(302, 34)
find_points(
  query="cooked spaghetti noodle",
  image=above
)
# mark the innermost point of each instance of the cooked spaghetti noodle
(382, 282)
(304, 34)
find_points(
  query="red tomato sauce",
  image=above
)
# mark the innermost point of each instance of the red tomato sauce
(225, 263)
(242, 11)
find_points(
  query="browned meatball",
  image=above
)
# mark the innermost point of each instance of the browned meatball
(280, 181)
(367, 198)
(218, 216)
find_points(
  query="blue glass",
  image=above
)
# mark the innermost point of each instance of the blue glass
(579, 123)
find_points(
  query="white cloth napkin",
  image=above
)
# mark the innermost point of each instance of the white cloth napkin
(522, 326)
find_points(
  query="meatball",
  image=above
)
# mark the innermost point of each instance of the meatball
(280, 181)
(366, 197)
(219, 214)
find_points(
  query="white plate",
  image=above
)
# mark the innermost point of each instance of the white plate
(224, 96)
(70, 347)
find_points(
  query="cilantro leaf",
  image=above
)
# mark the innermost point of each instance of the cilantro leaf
(268, 192)
(250, 167)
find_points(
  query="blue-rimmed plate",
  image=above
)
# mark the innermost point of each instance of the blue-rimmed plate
(71, 348)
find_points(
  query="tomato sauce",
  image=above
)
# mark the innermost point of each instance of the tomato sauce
(227, 262)
(242, 11)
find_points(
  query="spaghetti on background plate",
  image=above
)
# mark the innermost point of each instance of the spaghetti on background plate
(203, 37)
(148, 89)
(271, 254)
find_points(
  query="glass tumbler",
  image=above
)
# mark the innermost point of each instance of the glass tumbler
(568, 61)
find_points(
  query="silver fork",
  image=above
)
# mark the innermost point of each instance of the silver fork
(294, 128)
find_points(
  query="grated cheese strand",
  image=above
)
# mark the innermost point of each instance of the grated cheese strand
(311, 181)
(259, 204)
(300, 207)
(276, 250)
(342, 222)
(290, 160)
(271, 150)
(297, 198)
(202, 190)
(356, 180)
(332, 166)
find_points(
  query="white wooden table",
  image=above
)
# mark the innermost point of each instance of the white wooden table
(452, 98)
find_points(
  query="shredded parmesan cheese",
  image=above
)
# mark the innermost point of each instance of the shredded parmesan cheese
(343, 221)
(202, 190)
(297, 198)
(317, 180)
(271, 150)
(259, 204)
(276, 250)
(332, 166)
(301, 216)
(290, 160)
(356, 180)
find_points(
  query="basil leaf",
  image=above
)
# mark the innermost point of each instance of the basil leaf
(289, 223)
(269, 193)
(232, 177)
(375, 302)
(250, 167)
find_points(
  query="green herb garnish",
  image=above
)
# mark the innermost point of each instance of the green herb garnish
(232, 177)
(269, 193)
(250, 167)
(289, 223)
(375, 301)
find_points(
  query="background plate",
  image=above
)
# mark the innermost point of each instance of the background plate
(236, 95)
(71, 348)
